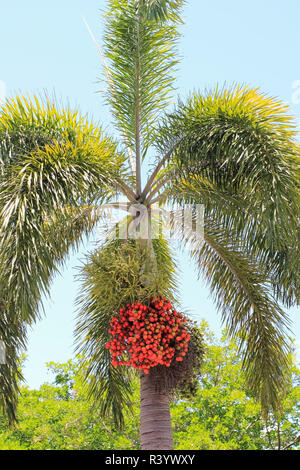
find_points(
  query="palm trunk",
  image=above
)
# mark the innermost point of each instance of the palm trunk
(156, 428)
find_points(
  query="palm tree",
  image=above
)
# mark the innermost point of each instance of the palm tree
(232, 150)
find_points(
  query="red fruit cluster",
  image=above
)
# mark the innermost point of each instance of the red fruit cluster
(145, 336)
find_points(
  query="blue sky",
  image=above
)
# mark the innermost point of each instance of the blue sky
(45, 46)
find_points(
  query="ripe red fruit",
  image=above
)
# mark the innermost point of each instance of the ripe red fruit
(142, 336)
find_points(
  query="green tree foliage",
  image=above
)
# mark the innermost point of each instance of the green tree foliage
(222, 414)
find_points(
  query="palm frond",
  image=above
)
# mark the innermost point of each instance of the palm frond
(244, 142)
(63, 231)
(240, 146)
(52, 162)
(162, 10)
(112, 277)
(40, 176)
(13, 338)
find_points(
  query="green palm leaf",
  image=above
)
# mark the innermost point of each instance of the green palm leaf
(233, 212)
(241, 290)
(233, 150)
(236, 152)
(113, 276)
(76, 166)
(242, 141)
(13, 336)
(53, 162)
